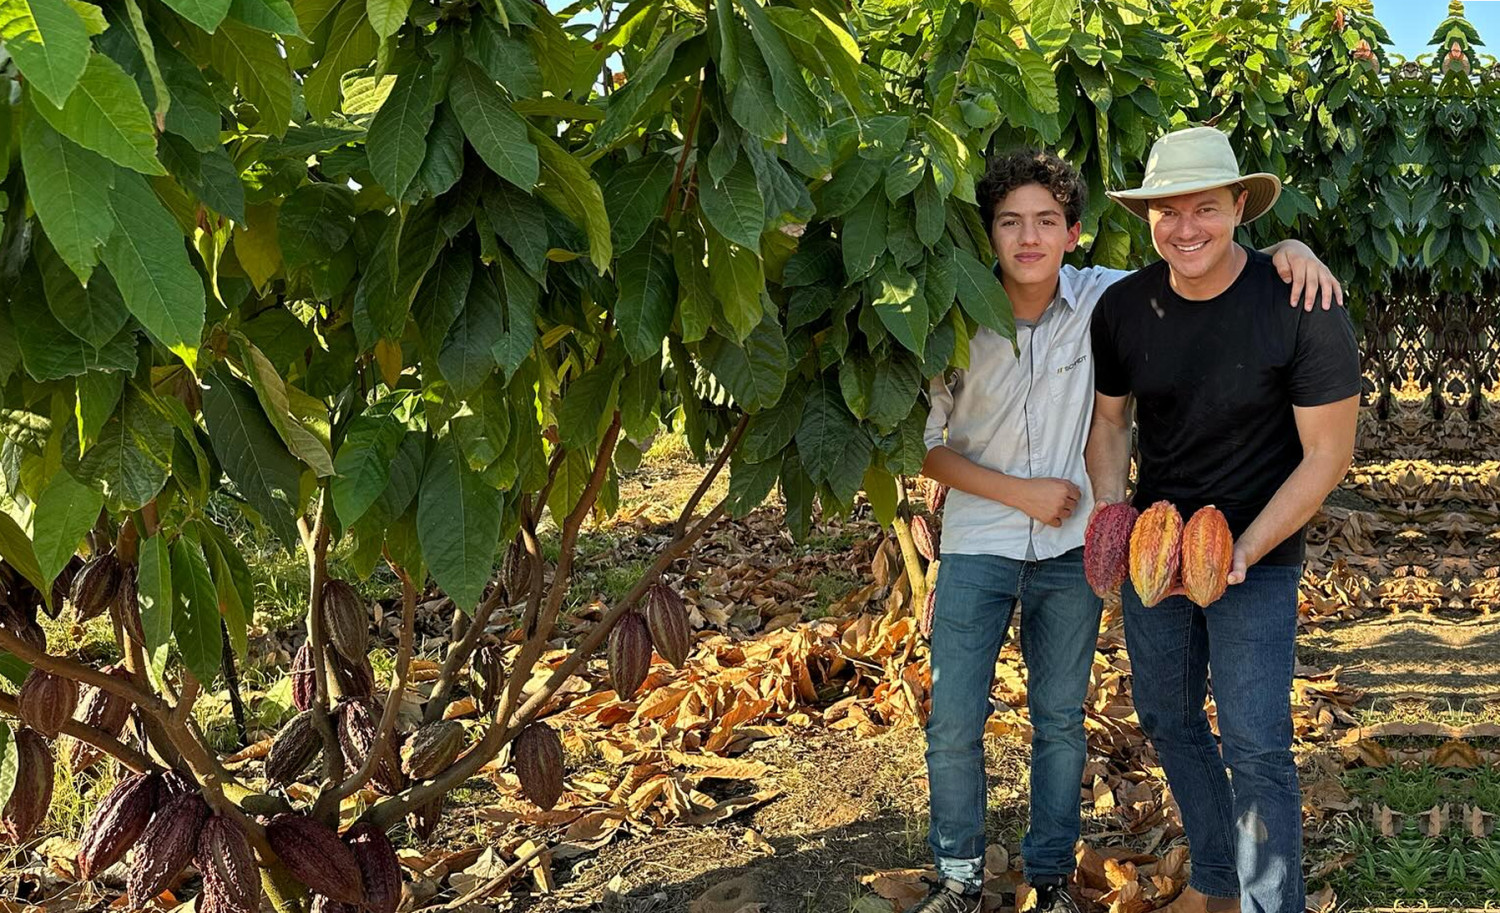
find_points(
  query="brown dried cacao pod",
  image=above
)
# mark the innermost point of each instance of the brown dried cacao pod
(922, 537)
(47, 701)
(423, 820)
(117, 823)
(667, 621)
(487, 676)
(538, 758)
(103, 710)
(1106, 547)
(296, 746)
(63, 585)
(95, 587)
(32, 794)
(629, 655)
(316, 856)
(15, 620)
(430, 750)
(358, 720)
(166, 847)
(378, 867)
(347, 619)
(304, 679)
(929, 612)
(231, 879)
(1154, 552)
(1207, 556)
(129, 605)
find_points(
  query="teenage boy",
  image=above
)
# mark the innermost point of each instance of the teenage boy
(1245, 404)
(1013, 527)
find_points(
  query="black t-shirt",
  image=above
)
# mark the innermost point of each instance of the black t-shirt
(1215, 382)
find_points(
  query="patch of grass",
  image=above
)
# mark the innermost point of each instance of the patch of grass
(668, 447)
(74, 798)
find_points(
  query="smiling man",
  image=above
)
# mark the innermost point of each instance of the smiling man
(1248, 405)
(1007, 436)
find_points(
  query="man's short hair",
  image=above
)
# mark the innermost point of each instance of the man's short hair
(1010, 170)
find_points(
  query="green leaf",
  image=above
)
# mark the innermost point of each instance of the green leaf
(154, 594)
(271, 391)
(753, 103)
(1037, 77)
(635, 195)
(351, 43)
(314, 221)
(894, 388)
(150, 264)
(10, 763)
(233, 583)
(397, 143)
(442, 294)
(495, 131)
(98, 395)
(863, 236)
(755, 374)
(194, 114)
(521, 302)
(363, 466)
(274, 16)
(880, 488)
(105, 114)
(647, 293)
(256, 246)
(95, 314)
(467, 355)
(206, 14)
(900, 305)
(387, 16)
(735, 208)
(1052, 15)
(443, 162)
(133, 455)
(481, 428)
(791, 92)
(49, 43)
(147, 47)
(695, 294)
(833, 447)
(458, 525)
(50, 352)
(736, 279)
(252, 454)
(65, 513)
(587, 406)
(15, 548)
(195, 619)
(253, 60)
(982, 296)
(509, 59)
(749, 484)
(521, 224)
(625, 104)
(567, 184)
(640, 399)
(65, 183)
(771, 430)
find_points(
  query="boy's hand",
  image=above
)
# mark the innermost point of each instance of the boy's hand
(1049, 501)
(1311, 280)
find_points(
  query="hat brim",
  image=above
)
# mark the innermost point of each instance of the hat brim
(1262, 189)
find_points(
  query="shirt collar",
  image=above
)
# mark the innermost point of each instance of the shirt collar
(1065, 291)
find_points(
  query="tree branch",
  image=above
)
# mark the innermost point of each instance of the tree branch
(316, 542)
(457, 654)
(708, 478)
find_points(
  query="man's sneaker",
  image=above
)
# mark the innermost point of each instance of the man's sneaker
(1054, 899)
(947, 896)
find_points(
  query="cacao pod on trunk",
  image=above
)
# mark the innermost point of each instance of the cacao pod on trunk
(1207, 556)
(103, 710)
(1106, 547)
(929, 612)
(487, 674)
(231, 880)
(347, 620)
(937, 496)
(629, 655)
(296, 746)
(321, 904)
(96, 586)
(430, 750)
(423, 820)
(356, 679)
(32, 794)
(1154, 552)
(378, 867)
(316, 856)
(922, 537)
(667, 620)
(538, 758)
(304, 679)
(166, 847)
(63, 585)
(358, 720)
(47, 701)
(117, 823)
(15, 620)
(517, 571)
(129, 605)
(174, 783)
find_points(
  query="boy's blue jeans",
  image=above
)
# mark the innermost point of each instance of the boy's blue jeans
(1244, 836)
(976, 595)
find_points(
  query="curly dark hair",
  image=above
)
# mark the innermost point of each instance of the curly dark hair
(1007, 171)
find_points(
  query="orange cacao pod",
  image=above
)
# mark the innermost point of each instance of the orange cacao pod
(32, 794)
(667, 620)
(316, 856)
(1106, 547)
(104, 711)
(1154, 552)
(47, 701)
(922, 536)
(117, 823)
(378, 867)
(231, 880)
(166, 847)
(95, 587)
(629, 655)
(1207, 556)
(538, 758)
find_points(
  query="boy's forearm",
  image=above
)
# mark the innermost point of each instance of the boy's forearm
(948, 466)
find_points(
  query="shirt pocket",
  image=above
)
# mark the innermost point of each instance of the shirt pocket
(1070, 376)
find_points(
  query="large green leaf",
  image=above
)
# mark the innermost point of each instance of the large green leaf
(587, 406)
(635, 195)
(149, 262)
(647, 293)
(351, 43)
(233, 585)
(442, 294)
(397, 143)
(49, 43)
(754, 373)
(252, 454)
(314, 222)
(833, 447)
(753, 103)
(443, 161)
(65, 183)
(363, 466)
(495, 131)
(467, 355)
(735, 206)
(736, 279)
(982, 296)
(253, 59)
(521, 303)
(206, 14)
(386, 16)
(194, 114)
(94, 314)
(791, 92)
(481, 428)
(625, 104)
(272, 391)
(518, 218)
(507, 56)
(154, 593)
(863, 235)
(274, 16)
(458, 525)
(568, 185)
(50, 352)
(65, 512)
(106, 114)
(900, 305)
(195, 619)
(133, 456)
(15, 548)
(750, 483)
(1052, 15)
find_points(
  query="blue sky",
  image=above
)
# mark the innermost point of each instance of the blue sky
(1411, 22)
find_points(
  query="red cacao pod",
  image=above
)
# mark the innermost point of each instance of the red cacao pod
(430, 750)
(47, 701)
(96, 586)
(316, 856)
(358, 720)
(1155, 545)
(347, 620)
(922, 536)
(538, 758)
(1106, 547)
(629, 655)
(103, 710)
(166, 847)
(1207, 556)
(378, 867)
(119, 820)
(667, 622)
(296, 746)
(32, 794)
(304, 679)
(231, 880)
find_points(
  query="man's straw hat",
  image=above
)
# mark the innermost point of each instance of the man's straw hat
(1192, 160)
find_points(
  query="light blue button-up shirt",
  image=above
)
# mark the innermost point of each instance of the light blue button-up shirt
(1025, 415)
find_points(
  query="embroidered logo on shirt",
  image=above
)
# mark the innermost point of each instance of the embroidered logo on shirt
(1071, 365)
